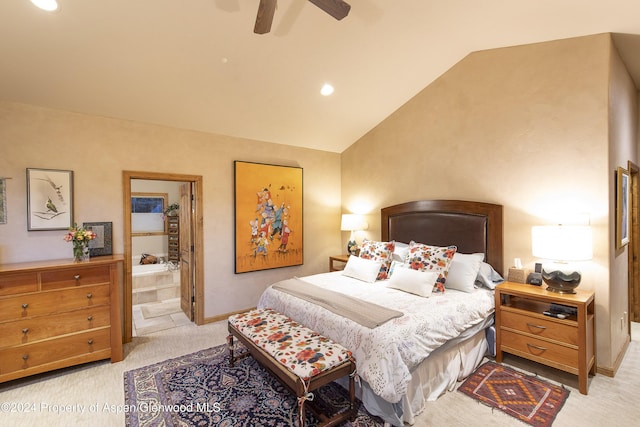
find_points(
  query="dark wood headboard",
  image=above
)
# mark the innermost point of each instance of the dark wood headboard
(471, 226)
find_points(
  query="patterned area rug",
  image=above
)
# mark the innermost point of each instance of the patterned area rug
(201, 389)
(529, 399)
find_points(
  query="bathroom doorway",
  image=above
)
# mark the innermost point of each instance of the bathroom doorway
(166, 290)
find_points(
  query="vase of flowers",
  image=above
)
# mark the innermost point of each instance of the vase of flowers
(80, 238)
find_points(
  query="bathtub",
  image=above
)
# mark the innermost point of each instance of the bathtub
(154, 283)
(147, 269)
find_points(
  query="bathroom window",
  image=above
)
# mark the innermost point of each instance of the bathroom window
(147, 216)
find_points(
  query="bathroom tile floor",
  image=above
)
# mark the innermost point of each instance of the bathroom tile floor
(160, 315)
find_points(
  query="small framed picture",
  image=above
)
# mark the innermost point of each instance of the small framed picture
(101, 245)
(49, 199)
(622, 208)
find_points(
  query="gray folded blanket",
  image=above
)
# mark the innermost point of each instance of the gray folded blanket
(363, 312)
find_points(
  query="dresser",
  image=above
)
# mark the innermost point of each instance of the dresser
(55, 314)
(523, 329)
(173, 224)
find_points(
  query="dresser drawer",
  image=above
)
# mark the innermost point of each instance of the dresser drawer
(77, 276)
(43, 303)
(31, 356)
(19, 283)
(540, 350)
(38, 328)
(544, 328)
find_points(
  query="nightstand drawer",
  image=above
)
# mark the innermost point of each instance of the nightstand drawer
(543, 328)
(540, 350)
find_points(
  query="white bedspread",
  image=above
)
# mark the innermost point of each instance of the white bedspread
(385, 355)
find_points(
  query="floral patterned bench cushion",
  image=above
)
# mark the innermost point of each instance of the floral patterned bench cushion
(303, 351)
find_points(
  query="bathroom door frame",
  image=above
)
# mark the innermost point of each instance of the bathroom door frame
(198, 254)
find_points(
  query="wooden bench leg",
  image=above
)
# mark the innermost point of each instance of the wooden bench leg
(352, 398)
(230, 344)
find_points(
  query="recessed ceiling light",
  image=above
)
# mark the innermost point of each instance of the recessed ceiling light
(326, 90)
(49, 5)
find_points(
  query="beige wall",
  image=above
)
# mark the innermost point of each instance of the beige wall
(623, 131)
(98, 150)
(525, 127)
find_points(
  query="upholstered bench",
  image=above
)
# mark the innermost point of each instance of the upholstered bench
(300, 358)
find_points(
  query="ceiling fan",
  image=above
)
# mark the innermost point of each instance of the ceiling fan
(336, 8)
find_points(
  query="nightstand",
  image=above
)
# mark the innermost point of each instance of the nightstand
(340, 258)
(566, 344)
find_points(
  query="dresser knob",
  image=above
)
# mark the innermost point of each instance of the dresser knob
(90, 342)
(90, 318)
(25, 330)
(77, 277)
(24, 306)
(25, 356)
(89, 295)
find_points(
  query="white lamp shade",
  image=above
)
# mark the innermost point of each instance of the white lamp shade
(562, 242)
(353, 222)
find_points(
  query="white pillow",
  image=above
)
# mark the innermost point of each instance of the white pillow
(413, 281)
(400, 251)
(488, 277)
(362, 269)
(464, 271)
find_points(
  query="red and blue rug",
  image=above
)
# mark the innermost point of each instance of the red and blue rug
(527, 398)
(201, 389)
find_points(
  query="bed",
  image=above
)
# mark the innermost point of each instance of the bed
(436, 340)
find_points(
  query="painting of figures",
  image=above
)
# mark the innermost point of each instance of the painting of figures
(268, 216)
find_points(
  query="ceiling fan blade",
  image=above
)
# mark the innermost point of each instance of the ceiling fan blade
(264, 19)
(336, 8)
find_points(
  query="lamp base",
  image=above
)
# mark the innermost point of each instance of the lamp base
(352, 247)
(561, 282)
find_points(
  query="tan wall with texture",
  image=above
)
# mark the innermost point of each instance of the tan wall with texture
(98, 149)
(525, 127)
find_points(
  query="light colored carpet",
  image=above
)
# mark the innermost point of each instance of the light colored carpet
(93, 394)
(165, 308)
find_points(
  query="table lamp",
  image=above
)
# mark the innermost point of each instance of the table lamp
(562, 244)
(352, 223)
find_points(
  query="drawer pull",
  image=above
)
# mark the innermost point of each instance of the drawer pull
(25, 357)
(90, 342)
(90, 318)
(89, 295)
(25, 331)
(536, 326)
(25, 305)
(77, 277)
(537, 347)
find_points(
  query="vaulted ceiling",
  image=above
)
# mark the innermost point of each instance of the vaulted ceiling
(196, 64)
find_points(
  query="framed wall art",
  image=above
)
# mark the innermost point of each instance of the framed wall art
(3, 200)
(622, 207)
(147, 217)
(102, 244)
(268, 216)
(49, 199)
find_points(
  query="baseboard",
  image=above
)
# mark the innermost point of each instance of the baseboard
(611, 372)
(224, 316)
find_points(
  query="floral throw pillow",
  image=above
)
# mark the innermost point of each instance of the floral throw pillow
(379, 251)
(431, 258)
